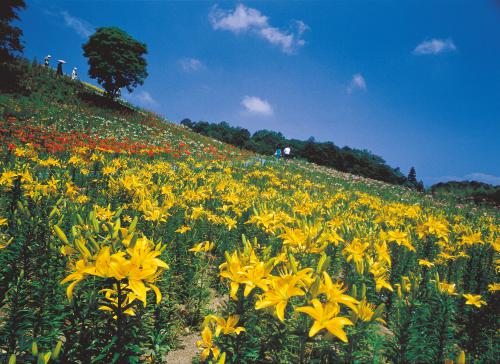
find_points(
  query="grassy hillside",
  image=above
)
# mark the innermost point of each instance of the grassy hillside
(477, 192)
(119, 231)
(355, 161)
(51, 104)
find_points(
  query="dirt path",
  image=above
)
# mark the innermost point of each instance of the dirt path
(187, 348)
(186, 352)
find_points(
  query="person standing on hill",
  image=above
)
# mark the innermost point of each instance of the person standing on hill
(59, 71)
(74, 75)
(286, 153)
(47, 60)
(278, 152)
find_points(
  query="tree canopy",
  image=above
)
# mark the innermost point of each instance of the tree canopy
(412, 175)
(116, 60)
(361, 162)
(10, 36)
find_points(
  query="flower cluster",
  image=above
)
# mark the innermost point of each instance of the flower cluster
(335, 268)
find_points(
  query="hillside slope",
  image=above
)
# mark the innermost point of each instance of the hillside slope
(468, 191)
(48, 104)
(118, 229)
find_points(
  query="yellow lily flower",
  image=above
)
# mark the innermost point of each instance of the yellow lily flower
(426, 263)
(227, 327)
(233, 270)
(183, 229)
(325, 317)
(279, 292)
(256, 276)
(355, 252)
(208, 344)
(334, 293)
(204, 246)
(493, 287)
(474, 299)
(448, 288)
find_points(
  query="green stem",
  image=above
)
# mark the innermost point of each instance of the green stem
(119, 317)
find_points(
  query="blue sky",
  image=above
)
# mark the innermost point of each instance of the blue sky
(416, 82)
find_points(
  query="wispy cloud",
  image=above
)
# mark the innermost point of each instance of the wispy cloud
(239, 20)
(244, 19)
(191, 64)
(357, 83)
(256, 105)
(80, 26)
(434, 46)
(143, 98)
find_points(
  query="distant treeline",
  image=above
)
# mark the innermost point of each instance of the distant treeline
(478, 192)
(355, 161)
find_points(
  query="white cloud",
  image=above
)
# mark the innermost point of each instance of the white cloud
(357, 83)
(241, 19)
(434, 46)
(80, 26)
(256, 105)
(277, 37)
(143, 98)
(244, 19)
(301, 26)
(191, 64)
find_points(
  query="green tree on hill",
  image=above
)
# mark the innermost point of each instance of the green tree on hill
(411, 181)
(116, 60)
(10, 36)
(412, 176)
